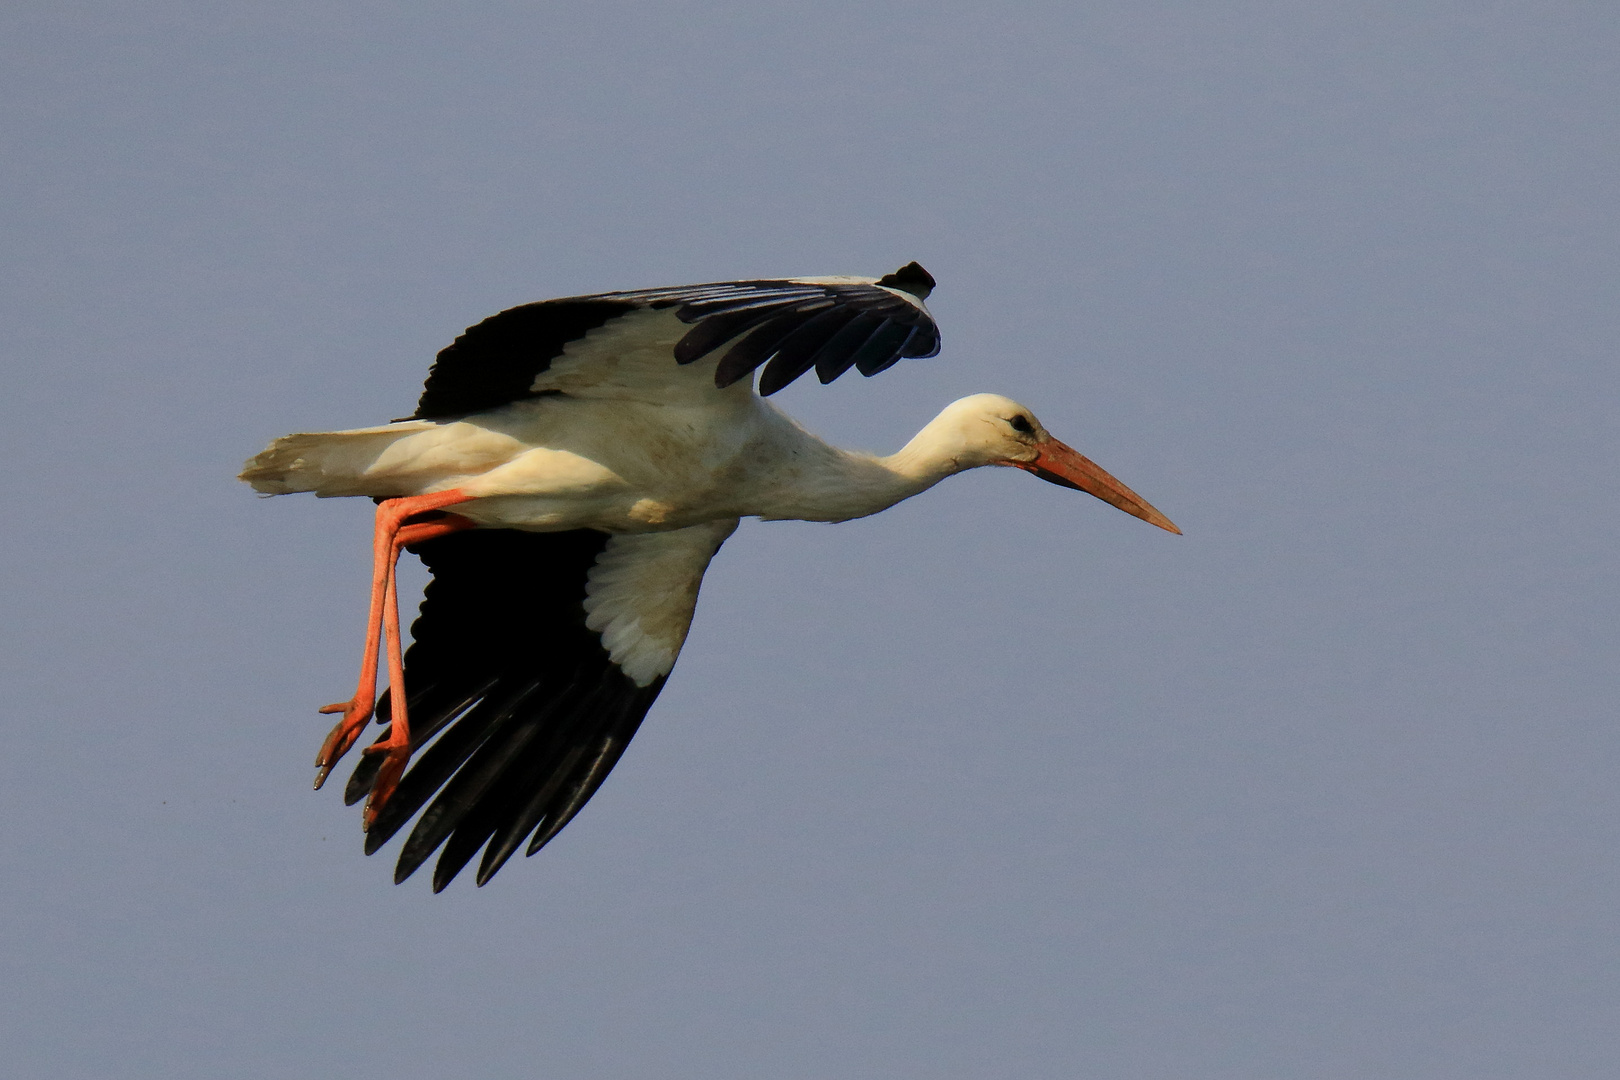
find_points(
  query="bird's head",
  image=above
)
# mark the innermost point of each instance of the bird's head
(988, 429)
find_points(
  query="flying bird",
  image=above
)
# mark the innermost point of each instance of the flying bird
(571, 468)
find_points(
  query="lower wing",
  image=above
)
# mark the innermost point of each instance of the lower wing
(534, 659)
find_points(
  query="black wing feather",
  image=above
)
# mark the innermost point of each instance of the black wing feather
(502, 630)
(883, 348)
(837, 355)
(797, 352)
(465, 791)
(772, 294)
(556, 799)
(497, 361)
(715, 330)
(761, 344)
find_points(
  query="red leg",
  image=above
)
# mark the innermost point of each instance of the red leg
(398, 744)
(391, 517)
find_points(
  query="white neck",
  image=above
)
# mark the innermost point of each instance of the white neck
(825, 483)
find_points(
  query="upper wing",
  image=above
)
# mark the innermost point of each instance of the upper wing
(535, 657)
(789, 325)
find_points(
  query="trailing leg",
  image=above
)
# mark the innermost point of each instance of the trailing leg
(392, 515)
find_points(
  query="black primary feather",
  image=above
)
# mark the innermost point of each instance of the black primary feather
(763, 342)
(797, 352)
(715, 330)
(883, 348)
(838, 354)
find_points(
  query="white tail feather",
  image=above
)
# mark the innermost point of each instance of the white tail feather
(329, 463)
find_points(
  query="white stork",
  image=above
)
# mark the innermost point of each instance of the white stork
(571, 468)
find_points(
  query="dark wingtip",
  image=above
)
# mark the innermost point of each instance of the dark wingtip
(546, 834)
(443, 875)
(911, 278)
(360, 781)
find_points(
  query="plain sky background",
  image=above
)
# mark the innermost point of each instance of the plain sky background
(999, 784)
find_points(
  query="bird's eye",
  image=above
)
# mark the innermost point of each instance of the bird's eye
(1021, 425)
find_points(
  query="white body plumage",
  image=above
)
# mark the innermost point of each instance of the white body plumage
(572, 468)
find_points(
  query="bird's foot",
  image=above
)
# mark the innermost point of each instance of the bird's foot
(397, 754)
(347, 732)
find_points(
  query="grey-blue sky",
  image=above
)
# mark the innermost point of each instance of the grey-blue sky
(1000, 783)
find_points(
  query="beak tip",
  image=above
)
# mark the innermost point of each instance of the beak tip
(1067, 467)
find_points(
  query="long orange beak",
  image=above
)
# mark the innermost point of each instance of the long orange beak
(1066, 466)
